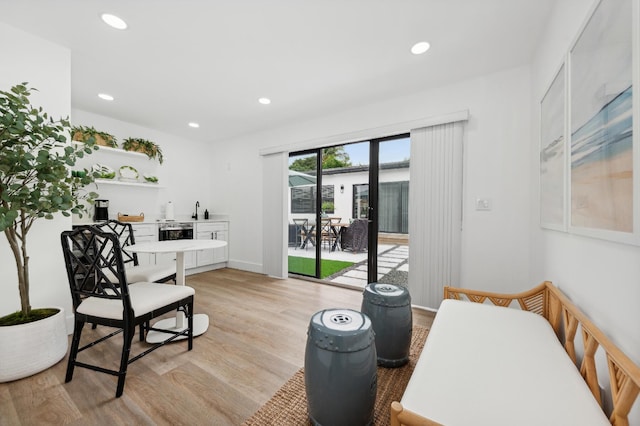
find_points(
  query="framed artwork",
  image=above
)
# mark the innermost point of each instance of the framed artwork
(602, 160)
(552, 155)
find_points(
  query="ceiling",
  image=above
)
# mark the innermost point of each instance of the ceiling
(207, 61)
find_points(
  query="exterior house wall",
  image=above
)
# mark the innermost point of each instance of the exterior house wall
(343, 201)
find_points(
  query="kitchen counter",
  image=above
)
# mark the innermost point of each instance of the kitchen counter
(212, 218)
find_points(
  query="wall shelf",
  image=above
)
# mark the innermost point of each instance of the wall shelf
(116, 151)
(120, 183)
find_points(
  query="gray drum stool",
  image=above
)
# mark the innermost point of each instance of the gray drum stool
(340, 371)
(389, 308)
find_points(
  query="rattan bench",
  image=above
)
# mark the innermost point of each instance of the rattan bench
(532, 371)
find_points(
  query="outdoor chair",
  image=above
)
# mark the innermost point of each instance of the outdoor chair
(300, 226)
(135, 271)
(327, 235)
(355, 237)
(102, 295)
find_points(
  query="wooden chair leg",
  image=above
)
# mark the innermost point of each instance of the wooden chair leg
(75, 342)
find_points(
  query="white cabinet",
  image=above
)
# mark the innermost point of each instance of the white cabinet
(142, 233)
(212, 231)
(189, 259)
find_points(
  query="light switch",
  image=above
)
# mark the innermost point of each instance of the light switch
(483, 204)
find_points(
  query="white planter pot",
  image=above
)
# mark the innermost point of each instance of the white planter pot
(27, 349)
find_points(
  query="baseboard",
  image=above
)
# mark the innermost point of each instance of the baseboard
(246, 266)
(206, 268)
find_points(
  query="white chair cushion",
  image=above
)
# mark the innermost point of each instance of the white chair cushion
(145, 297)
(149, 273)
(144, 273)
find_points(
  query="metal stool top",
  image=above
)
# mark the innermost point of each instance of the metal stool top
(390, 295)
(340, 330)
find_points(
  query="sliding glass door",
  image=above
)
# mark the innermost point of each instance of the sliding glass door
(348, 212)
(391, 258)
(303, 209)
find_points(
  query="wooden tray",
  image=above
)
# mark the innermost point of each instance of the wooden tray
(130, 218)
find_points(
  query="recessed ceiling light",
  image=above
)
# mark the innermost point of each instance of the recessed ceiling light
(264, 101)
(113, 21)
(194, 125)
(420, 48)
(105, 96)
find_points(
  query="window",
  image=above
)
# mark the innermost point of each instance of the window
(361, 201)
(303, 199)
(393, 210)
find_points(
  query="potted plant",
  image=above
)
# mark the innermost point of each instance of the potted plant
(83, 133)
(144, 146)
(35, 183)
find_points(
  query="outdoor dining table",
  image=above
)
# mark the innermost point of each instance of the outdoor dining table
(200, 321)
(334, 228)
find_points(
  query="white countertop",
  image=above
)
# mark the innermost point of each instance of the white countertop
(212, 218)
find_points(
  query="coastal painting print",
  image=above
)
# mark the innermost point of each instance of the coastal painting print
(601, 121)
(552, 155)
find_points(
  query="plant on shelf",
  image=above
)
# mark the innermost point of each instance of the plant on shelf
(144, 146)
(84, 133)
(35, 181)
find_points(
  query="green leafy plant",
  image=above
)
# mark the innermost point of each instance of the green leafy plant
(142, 145)
(84, 133)
(35, 177)
(327, 207)
(150, 178)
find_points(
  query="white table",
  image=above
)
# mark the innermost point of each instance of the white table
(179, 247)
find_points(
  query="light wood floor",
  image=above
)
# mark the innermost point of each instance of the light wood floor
(255, 342)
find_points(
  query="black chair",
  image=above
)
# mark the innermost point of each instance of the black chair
(102, 295)
(135, 271)
(355, 237)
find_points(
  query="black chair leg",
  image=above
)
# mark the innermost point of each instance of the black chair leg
(129, 332)
(143, 329)
(75, 342)
(190, 322)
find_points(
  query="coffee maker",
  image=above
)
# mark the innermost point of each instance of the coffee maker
(101, 210)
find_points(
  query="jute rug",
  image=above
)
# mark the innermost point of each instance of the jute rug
(289, 404)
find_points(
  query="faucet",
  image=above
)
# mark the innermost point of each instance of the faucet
(195, 216)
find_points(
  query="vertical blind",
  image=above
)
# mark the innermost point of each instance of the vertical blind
(274, 205)
(435, 211)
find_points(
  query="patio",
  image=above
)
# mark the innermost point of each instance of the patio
(393, 266)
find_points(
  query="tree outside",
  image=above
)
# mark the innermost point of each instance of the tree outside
(332, 158)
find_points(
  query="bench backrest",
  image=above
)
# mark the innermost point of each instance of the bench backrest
(566, 319)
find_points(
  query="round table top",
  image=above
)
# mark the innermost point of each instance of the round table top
(173, 246)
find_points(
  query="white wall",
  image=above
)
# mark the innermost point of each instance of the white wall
(184, 176)
(601, 277)
(495, 243)
(47, 67)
